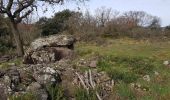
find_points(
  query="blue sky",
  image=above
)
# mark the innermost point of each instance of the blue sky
(160, 8)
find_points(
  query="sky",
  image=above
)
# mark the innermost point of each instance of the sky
(160, 8)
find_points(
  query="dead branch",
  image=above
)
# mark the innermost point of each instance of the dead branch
(81, 80)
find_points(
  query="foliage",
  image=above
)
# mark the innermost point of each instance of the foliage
(4, 28)
(4, 46)
(56, 24)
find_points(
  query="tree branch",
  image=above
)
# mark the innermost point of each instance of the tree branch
(19, 19)
(9, 5)
(21, 8)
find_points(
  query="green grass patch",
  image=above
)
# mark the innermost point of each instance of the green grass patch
(56, 92)
(124, 92)
(7, 65)
(27, 96)
(82, 94)
(127, 69)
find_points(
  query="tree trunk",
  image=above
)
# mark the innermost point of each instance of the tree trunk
(17, 38)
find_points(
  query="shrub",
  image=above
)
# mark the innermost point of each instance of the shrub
(4, 46)
(56, 24)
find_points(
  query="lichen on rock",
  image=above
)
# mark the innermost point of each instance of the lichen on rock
(49, 49)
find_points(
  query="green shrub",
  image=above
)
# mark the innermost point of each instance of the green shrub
(55, 25)
(4, 46)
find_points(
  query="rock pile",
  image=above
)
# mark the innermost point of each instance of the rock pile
(40, 69)
(33, 79)
(49, 49)
(46, 64)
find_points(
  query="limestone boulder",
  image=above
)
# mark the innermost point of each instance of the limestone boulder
(53, 41)
(49, 49)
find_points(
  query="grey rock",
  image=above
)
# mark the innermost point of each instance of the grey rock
(7, 80)
(146, 78)
(93, 64)
(166, 63)
(47, 76)
(38, 91)
(3, 92)
(34, 87)
(156, 73)
(49, 49)
(42, 94)
(15, 78)
(53, 41)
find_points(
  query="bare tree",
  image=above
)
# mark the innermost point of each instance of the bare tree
(140, 18)
(103, 15)
(17, 10)
(155, 23)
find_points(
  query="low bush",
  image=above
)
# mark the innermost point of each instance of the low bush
(4, 46)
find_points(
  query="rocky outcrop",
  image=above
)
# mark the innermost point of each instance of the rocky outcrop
(28, 79)
(50, 49)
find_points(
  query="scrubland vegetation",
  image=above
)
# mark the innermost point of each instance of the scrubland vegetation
(128, 47)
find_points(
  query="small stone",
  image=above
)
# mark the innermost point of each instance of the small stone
(15, 78)
(93, 64)
(50, 70)
(132, 85)
(156, 73)
(166, 63)
(11, 64)
(144, 89)
(7, 80)
(34, 86)
(146, 78)
(113, 82)
(138, 85)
